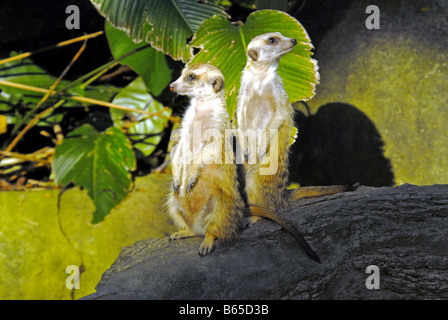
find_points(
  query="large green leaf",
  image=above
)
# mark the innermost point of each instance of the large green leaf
(145, 131)
(98, 162)
(224, 45)
(149, 63)
(165, 24)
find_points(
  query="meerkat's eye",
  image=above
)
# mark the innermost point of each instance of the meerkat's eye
(191, 77)
(272, 40)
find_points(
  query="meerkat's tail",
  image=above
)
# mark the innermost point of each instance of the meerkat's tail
(310, 192)
(281, 220)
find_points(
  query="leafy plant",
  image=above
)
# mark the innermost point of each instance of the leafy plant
(220, 42)
(165, 24)
(26, 72)
(149, 63)
(144, 131)
(224, 45)
(98, 162)
(145, 35)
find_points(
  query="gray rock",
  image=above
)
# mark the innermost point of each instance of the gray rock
(402, 230)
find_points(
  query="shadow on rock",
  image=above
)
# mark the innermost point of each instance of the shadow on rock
(338, 145)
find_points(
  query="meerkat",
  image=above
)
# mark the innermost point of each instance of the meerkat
(264, 120)
(204, 199)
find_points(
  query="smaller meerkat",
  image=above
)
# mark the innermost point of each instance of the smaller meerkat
(204, 200)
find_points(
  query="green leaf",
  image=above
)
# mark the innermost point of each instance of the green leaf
(224, 45)
(98, 162)
(149, 63)
(165, 24)
(135, 95)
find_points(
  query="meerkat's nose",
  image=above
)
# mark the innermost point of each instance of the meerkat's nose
(172, 87)
(294, 42)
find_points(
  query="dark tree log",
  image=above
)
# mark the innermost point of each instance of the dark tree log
(401, 230)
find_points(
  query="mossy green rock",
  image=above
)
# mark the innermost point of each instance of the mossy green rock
(38, 243)
(397, 76)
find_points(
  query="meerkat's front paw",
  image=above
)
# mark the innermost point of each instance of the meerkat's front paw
(182, 235)
(207, 245)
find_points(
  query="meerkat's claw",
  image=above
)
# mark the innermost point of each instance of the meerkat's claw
(207, 246)
(176, 188)
(190, 186)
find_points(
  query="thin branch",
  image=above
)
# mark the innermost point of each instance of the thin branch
(107, 66)
(99, 74)
(24, 157)
(88, 100)
(42, 101)
(60, 44)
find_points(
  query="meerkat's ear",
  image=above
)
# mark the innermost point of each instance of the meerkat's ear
(253, 54)
(218, 84)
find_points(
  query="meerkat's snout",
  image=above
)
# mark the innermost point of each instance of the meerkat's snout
(174, 86)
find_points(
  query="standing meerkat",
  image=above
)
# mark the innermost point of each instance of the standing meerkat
(204, 200)
(265, 122)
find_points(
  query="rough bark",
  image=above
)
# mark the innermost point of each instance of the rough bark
(402, 230)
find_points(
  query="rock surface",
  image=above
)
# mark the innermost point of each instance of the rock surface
(402, 230)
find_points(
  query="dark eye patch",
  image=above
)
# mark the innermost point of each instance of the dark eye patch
(191, 77)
